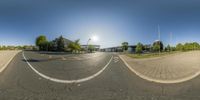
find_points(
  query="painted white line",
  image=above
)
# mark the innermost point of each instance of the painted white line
(67, 81)
(5, 65)
(157, 80)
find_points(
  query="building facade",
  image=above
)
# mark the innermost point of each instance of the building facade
(95, 47)
(131, 49)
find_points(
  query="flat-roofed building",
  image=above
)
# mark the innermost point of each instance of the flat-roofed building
(95, 47)
(131, 49)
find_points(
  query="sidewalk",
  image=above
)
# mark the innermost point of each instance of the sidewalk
(173, 69)
(6, 57)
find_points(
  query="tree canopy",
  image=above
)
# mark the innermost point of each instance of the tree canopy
(158, 46)
(139, 48)
(179, 47)
(60, 44)
(75, 46)
(41, 42)
(188, 46)
(168, 48)
(125, 46)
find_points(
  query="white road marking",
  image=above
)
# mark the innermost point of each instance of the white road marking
(68, 81)
(116, 59)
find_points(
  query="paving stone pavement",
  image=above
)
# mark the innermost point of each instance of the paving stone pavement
(168, 68)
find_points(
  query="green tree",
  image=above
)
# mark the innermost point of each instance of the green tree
(77, 45)
(40, 41)
(91, 48)
(52, 46)
(179, 47)
(4, 47)
(188, 46)
(125, 46)
(45, 46)
(196, 46)
(168, 48)
(71, 46)
(139, 48)
(173, 48)
(158, 46)
(60, 44)
(19, 47)
(74, 46)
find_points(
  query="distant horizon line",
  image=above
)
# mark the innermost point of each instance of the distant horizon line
(100, 45)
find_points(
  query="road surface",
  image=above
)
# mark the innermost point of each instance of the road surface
(116, 82)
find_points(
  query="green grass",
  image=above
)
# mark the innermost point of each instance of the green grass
(151, 55)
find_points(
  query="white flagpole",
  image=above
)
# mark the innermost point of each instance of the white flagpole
(159, 37)
(170, 40)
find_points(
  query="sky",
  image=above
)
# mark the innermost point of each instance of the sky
(112, 21)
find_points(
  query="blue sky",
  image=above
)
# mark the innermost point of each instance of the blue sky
(113, 21)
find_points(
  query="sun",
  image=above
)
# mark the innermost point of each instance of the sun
(95, 38)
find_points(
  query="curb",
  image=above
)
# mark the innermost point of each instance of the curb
(6, 64)
(157, 80)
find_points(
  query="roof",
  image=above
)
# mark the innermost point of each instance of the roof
(67, 41)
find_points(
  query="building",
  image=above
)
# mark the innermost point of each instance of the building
(66, 43)
(147, 48)
(131, 49)
(95, 47)
(112, 49)
(118, 49)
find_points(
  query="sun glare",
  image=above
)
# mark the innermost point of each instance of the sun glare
(95, 38)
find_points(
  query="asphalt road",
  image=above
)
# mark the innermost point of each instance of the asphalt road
(116, 82)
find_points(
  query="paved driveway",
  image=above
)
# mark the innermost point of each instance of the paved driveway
(116, 82)
(67, 67)
(169, 69)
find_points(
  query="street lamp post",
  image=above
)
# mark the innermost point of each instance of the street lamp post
(88, 44)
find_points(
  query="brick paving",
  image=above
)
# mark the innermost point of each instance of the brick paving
(167, 68)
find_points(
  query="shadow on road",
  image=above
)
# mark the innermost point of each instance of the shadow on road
(31, 60)
(42, 60)
(54, 53)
